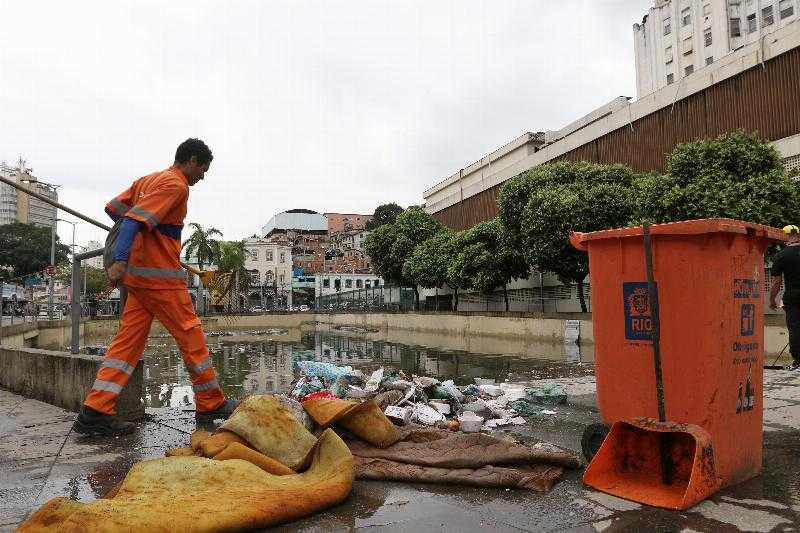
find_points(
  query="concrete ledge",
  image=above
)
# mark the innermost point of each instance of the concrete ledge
(63, 379)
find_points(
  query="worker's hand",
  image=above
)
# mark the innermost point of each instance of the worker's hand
(773, 305)
(116, 271)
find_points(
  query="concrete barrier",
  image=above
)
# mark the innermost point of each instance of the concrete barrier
(63, 379)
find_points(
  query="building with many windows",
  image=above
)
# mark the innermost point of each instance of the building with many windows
(270, 267)
(17, 206)
(678, 37)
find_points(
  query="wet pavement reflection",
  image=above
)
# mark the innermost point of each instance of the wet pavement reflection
(247, 363)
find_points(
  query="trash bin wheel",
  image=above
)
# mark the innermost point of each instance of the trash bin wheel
(592, 439)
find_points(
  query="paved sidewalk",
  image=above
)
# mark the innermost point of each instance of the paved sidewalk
(40, 459)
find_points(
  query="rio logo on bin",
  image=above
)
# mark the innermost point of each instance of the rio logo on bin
(638, 311)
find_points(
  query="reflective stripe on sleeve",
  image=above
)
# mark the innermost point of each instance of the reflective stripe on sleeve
(201, 366)
(108, 386)
(151, 272)
(152, 220)
(213, 384)
(118, 364)
(119, 207)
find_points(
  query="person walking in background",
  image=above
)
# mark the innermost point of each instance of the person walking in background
(147, 262)
(786, 271)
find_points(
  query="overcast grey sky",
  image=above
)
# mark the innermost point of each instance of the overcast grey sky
(328, 105)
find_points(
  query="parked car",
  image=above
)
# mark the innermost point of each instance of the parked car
(257, 309)
(304, 308)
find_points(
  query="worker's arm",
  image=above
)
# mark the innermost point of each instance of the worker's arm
(127, 232)
(775, 288)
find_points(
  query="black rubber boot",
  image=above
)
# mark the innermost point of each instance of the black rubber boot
(223, 411)
(91, 422)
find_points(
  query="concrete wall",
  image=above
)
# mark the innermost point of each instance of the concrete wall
(62, 379)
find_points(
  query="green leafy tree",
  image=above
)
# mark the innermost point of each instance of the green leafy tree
(202, 244)
(486, 258)
(25, 249)
(541, 207)
(95, 278)
(428, 263)
(384, 214)
(390, 245)
(232, 259)
(736, 175)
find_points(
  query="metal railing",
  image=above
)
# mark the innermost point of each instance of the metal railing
(75, 304)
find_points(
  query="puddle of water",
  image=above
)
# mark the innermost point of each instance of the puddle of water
(249, 365)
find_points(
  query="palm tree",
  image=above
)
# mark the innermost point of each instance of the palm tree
(232, 257)
(201, 243)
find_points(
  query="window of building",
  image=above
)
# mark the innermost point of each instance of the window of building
(767, 16)
(667, 26)
(337, 284)
(326, 283)
(358, 284)
(283, 257)
(348, 283)
(709, 60)
(269, 256)
(687, 46)
(688, 70)
(670, 78)
(706, 10)
(736, 27)
(786, 7)
(367, 283)
(377, 282)
(686, 16)
(668, 55)
(752, 25)
(282, 279)
(709, 38)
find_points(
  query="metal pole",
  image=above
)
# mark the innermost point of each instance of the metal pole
(1, 311)
(75, 307)
(52, 264)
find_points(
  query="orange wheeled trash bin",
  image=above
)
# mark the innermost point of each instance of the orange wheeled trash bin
(678, 357)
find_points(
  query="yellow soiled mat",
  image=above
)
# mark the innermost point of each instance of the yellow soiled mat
(184, 493)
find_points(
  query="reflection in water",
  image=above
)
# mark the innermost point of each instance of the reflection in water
(267, 366)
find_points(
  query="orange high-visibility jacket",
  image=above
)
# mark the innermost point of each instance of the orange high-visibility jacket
(158, 200)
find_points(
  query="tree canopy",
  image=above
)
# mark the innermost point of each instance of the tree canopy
(201, 243)
(384, 214)
(485, 258)
(25, 248)
(736, 175)
(390, 245)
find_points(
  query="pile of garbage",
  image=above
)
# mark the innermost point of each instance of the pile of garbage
(482, 405)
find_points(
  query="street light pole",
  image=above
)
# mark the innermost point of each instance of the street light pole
(51, 287)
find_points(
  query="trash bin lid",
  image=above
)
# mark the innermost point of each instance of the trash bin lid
(685, 227)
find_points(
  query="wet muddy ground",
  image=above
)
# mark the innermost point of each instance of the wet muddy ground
(40, 458)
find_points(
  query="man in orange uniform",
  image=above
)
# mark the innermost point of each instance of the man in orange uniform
(147, 262)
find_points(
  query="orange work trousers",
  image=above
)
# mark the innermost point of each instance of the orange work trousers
(173, 308)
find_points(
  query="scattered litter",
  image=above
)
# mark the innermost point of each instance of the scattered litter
(547, 412)
(398, 415)
(551, 394)
(326, 371)
(484, 381)
(374, 381)
(470, 422)
(356, 392)
(442, 407)
(491, 390)
(426, 415)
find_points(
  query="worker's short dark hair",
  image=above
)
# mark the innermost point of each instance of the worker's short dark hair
(196, 148)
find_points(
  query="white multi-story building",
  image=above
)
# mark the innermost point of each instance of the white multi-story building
(331, 283)
(96, 262)
(679, 37)
(16, 206)
(270, 265)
